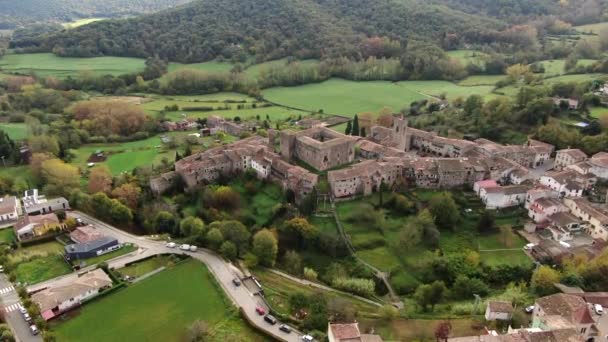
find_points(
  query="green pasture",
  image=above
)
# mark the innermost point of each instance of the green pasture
(141, 268)
(16, 131)
(41, 268)
(467, 56)
(212, 66)
(598, 112)
(159, 308)
(481, 80)
(47, 64)
(555, 67)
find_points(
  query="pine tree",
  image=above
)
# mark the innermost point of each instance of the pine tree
(349, 128)
(177, 156)
(362, 133)
(355, 128)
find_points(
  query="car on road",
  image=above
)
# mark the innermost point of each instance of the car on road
(171, 244)
(236, 282)
(529, 246)
(22, 310)
(260, 310)
(193, 248)
(79, 222)
(27, 317)
(285, 328)
(598, 309)
(1, 268)
(307, 338)
(184, 247)
(34, 329)
(270, 319)
(529, 309)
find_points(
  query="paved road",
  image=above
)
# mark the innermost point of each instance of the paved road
(10, 305)
(223, 271)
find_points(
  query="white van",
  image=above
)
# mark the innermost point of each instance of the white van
(184, 247)
(598, 309)
(193, 248)
(171, 244)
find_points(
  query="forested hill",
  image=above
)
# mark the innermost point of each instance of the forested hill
(267, 29)
(14, 13)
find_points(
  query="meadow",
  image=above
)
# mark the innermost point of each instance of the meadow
(343, 97)
(39, 262)
(138, 269)
(81, 22)
(598, 112)
(47, 64)
(15, 131)
(159, 308)
(467, 56)
(555, 67)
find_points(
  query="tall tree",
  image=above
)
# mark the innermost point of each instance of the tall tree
(355, 129)
(445, 210)
(100, 180)
(265, 247)
(349, 128)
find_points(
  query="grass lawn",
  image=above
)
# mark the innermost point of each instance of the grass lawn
(467, 56)
(16, 131)
(47, 64)
(42, 249)
(104, 257)
(275, 113)
(212, 66)
(159, 308)
(254, 71)
(325, 224)
(479, 80)
(41, 269)
(15, 172)
(260, 203)
(556, 66)
(343, 97)
(598, 112)
(7, 235)
(144, 267)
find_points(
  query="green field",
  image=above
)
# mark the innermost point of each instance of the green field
(144, 267)
(598, 112)
(479, 80)
(468, 56)
(104, 257)
(16, 131)
(256, 69)
(7, 235)
(337, 96)
(42, 249)
(556, 66)
(159, 308)
(47, 64)
(15, 172)
(205, 66)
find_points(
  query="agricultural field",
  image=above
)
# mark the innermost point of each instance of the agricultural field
(421, 329)
(159, 308)
(212, 66)
(479, 80)
(47, 64)
(15, 131)
(254, 71)
(555, 67)
(343, 97)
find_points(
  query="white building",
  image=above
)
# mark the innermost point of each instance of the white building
(503, 197)
(542, 208)
(498, 311)
(46, 206)
(596, 218)
(599, 165)
(566, 183)
(10, 208)
(568, 157)
(262, 167)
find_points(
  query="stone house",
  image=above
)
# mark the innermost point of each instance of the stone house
(319, 147)
(542, 208)
(561, 311)
(568, 157)
(539, 191)
(484, 184)
(567, 183)
(498, 311)
(563, 226)
(349, 333)
(599, 165)
(503, 197)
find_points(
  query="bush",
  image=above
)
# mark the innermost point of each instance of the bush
(404, 284)
(310, 274)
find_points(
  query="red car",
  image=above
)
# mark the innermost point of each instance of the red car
(260, 310)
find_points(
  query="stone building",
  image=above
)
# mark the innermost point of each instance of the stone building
(568, 157)
(319, 147)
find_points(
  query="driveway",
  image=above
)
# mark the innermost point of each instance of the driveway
(10, 304)
(223, 271)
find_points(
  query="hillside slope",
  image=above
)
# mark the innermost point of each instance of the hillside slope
(267, 29)
(14, 13)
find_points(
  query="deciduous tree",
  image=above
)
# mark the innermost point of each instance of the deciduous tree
(100, 180)
(265, 247)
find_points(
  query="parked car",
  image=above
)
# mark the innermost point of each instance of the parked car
(1, 268)
(529, 246)
(22, 310)
(260, 310)
(598, 309)
(27, 317)
(236, 282)
(171, 244)
(530, 309)
(79, 221)
(184, 247)
(193, 248)
(34, 329)
(270, 319)
(285, 328)
(307, 338)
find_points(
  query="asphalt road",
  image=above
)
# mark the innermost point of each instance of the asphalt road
(10, 305)
(223, 271)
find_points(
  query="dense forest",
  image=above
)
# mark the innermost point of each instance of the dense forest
(268, 29)
(14, 14)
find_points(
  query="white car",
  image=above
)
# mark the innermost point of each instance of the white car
(530, 309)
(193, 248)
(184, 247)
(27, 317)
(529, 246)
(171, 244)
(1, 268)
(307, 338)
(34, 329)
(22, 310)
(598, 309)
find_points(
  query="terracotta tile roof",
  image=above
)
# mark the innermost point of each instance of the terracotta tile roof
(496, 306)
(343, 332)
(571, 307)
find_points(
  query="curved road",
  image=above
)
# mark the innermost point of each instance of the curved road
(223, 271)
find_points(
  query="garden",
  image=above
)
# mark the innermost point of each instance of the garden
(37, 263)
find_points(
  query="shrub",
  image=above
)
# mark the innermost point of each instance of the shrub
(360, 286)
(310, 274)
(404, 284)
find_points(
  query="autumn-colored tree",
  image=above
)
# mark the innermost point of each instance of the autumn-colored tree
(300, 229)
(36, 161)
(128, 194)
(517, 72)
(14, 84)
(100, 180)
(544, 280)
(385, 117)
(59, 176)
(110, 117)
(443, 330)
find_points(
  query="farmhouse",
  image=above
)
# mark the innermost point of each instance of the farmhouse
(29, 227)
(102, 245)
(54, 301)
(571, 104)
(498, 311)
(568, 157)
(10, 207)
